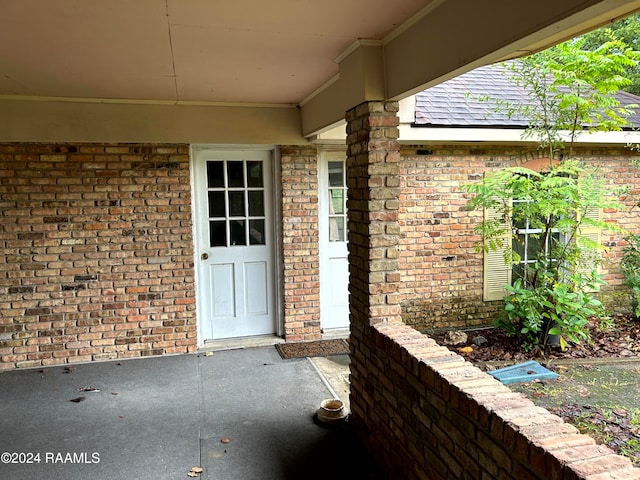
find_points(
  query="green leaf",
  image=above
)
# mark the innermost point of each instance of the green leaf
(563, 344)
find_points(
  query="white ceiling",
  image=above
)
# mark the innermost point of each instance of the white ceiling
(249, 71)
(240, 51)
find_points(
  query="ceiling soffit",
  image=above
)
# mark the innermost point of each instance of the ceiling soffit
(188, 59)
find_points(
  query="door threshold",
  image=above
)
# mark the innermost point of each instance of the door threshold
(239, 343)
(335, 333)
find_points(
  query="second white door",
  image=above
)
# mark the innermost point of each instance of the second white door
(334, 264)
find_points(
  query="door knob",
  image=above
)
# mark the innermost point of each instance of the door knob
(204, 256)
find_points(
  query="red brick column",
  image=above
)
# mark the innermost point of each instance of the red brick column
(300, 250)
(373, 156)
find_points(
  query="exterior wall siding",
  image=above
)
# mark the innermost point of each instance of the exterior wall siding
(98, 248)
(98, 253)
(441, 267)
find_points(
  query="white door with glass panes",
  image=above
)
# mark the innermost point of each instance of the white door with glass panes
(234, 244)
(334, 264)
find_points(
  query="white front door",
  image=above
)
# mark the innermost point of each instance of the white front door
(334, 264)
(234, 229)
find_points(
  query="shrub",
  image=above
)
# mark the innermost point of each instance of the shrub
(551, 309)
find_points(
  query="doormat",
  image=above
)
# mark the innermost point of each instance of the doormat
(318, 348)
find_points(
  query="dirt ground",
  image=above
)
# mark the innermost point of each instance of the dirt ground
(601, 399)
(618, 338)
(598, 389)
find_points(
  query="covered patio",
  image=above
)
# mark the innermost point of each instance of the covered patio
(239, 76)
(237, 414)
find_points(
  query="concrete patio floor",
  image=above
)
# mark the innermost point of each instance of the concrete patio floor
(239, 414)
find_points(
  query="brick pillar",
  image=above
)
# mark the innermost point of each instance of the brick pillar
(373, 162)
(300, 249)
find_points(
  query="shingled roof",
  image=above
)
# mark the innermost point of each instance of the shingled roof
(458, 102)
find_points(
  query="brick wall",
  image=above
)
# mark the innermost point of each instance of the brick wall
(98, 247)
(620, 173)
(441, 270)
(431, 415)
(300, 239)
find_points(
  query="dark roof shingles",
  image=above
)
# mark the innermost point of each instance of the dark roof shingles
(471, 100)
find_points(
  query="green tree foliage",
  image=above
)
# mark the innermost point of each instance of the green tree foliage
(627, 30)
(553, 297)
(572, 91)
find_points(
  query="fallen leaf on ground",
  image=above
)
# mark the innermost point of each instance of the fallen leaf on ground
(88, 389)
(78, 399)
(208, 354)
(466, 349)
(225, 440)
(195, 471)
(68, 369)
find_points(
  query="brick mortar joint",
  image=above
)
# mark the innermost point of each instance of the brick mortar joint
(405, 339)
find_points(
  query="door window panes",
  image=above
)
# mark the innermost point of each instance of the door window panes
(238, 232)
(218, 233)
(216, 204)
(337, 202)
(256, 232)
(236, 205)
(336, 174)
(254, 175)
(215, 174)
(235, 174)
(256, 203)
